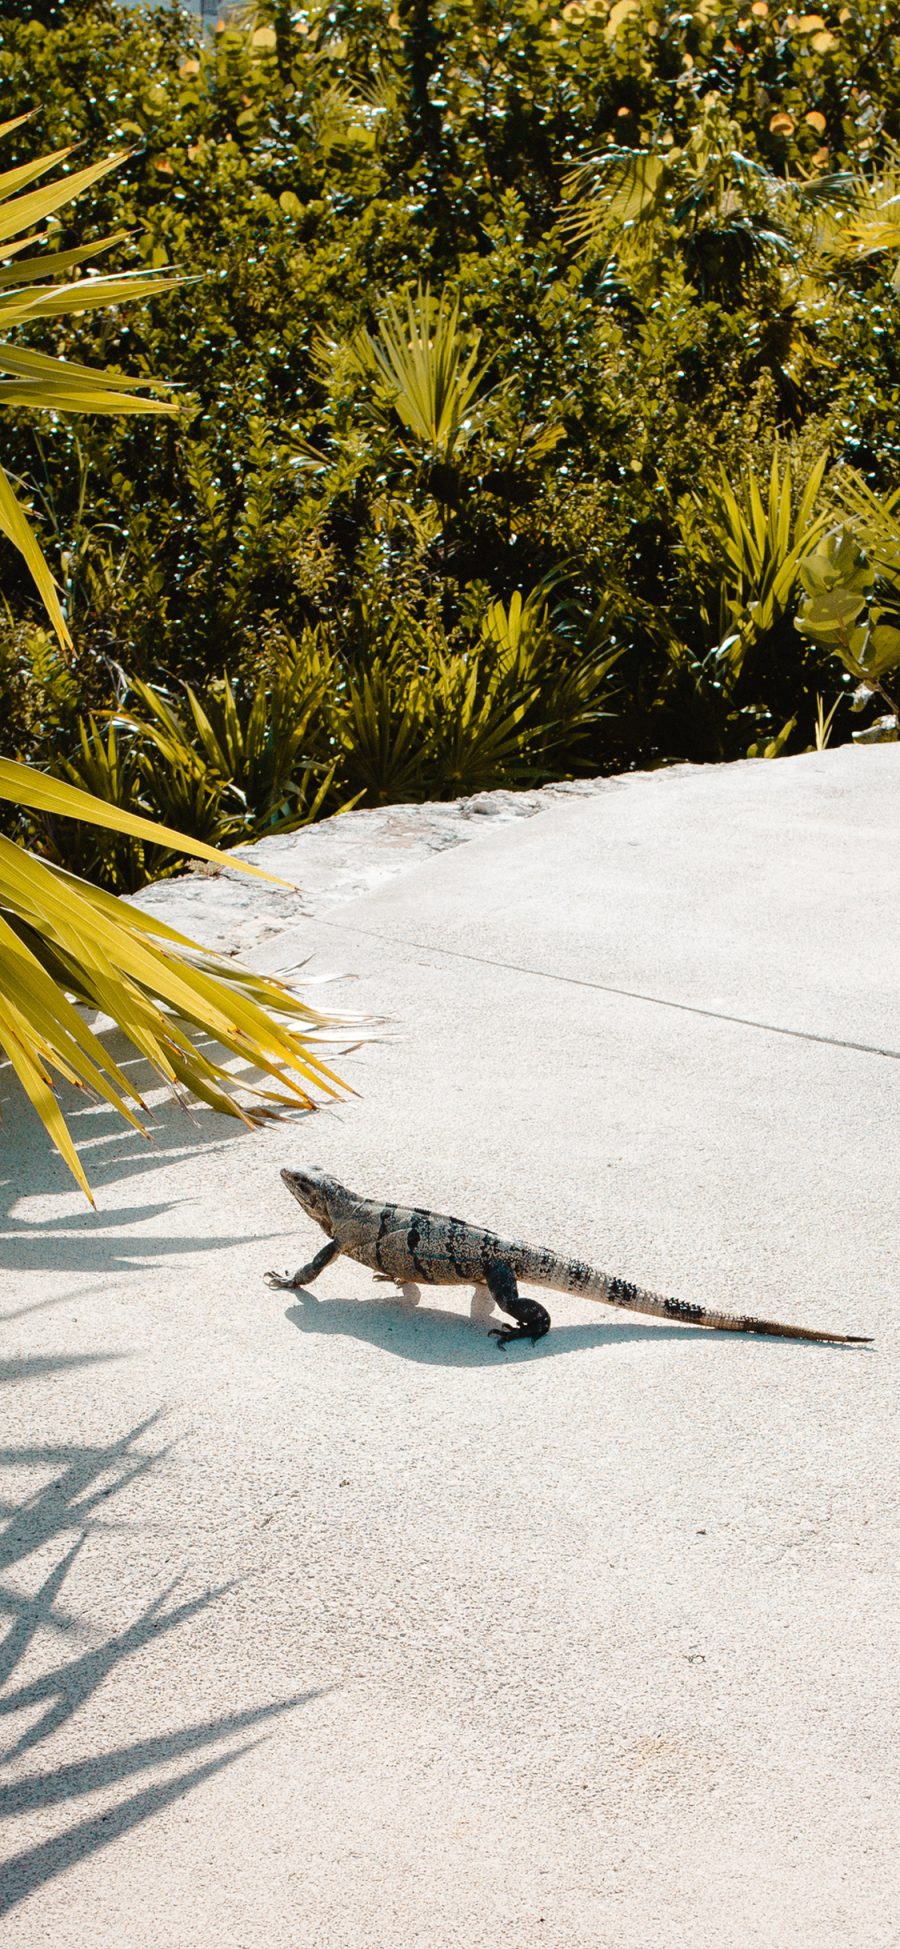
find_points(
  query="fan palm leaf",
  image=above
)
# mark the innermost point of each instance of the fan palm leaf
(429, 370)
(867, 227)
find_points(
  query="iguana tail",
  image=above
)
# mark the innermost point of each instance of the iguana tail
(588, 1284)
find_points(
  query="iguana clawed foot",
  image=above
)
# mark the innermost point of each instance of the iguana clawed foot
(290, 1282)
(534, 1332)
(533, 1319)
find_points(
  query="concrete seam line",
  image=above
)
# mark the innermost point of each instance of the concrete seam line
(607, 988)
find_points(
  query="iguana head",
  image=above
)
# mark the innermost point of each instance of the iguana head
(316, 1190)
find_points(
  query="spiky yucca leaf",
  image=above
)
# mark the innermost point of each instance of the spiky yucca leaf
(750, 548)
(765, 542)
(250, 744)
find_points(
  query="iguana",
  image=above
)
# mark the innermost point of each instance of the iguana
(408, 1246)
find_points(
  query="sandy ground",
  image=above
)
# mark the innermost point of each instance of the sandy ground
(323, 1622)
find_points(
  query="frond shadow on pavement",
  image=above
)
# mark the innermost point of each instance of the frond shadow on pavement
(50, 1693)
(73, 1237)
(110, 1149)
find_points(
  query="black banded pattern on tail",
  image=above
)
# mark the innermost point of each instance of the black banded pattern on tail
(571, 1276)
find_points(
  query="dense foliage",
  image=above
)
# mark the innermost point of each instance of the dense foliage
(527, 352)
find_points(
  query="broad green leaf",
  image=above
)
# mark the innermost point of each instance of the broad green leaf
(82, 294)
(22, 243)
(831, 613)
(28, 269)
(885, 649)
(40, 366)
(27, 172)
(836, 560)
(60, 396)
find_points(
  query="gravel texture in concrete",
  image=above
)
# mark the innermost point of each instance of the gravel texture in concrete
(324, 1622)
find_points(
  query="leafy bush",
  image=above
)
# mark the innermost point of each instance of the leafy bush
(390, 710)
(485, 299)
(852, 606)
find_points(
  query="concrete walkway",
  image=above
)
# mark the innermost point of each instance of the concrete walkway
(326, 1623)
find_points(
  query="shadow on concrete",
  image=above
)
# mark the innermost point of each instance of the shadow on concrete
(80, 1239)
(428, 1335)
(77, 1243)
(27, 1871)
(33, 1367)
(66, 1687)
(85, 1481)
(88, 1482)
(110, 1149)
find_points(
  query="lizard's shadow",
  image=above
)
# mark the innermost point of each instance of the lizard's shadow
(445, 1339)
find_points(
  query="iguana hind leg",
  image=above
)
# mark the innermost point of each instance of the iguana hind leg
(482, 1304)
(533, 1318)
(285, 1282)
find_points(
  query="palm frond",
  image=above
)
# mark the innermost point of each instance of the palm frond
(23, 785)
(866, 225)
(619, 189)
(61, 937)
(749, 545)
(28, 292)
(429, 369)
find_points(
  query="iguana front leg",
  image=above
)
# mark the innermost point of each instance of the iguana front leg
(284, 1283)
(533, 1318)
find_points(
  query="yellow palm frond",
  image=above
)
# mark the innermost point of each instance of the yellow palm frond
(29, 291)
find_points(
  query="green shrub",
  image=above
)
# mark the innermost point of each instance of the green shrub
(388, 710)
(852, 585)
(481, 299)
